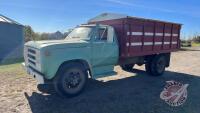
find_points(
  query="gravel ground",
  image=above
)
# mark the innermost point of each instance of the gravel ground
(126, 92)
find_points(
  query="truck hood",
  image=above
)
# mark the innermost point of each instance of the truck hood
(57, 43)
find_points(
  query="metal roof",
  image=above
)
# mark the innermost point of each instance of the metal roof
(107, 16)
(111, 16)
(8, 20)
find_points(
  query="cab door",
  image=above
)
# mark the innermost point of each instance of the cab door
(104, 47)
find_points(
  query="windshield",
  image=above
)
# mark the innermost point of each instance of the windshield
(80, 33)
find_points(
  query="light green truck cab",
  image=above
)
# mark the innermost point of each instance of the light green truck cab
(94, 47)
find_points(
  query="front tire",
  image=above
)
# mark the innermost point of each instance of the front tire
(70, 80)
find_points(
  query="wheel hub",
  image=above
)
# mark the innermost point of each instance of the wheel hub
(73, 80)
(160, 65)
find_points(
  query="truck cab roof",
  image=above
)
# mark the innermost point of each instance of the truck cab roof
(92, 25)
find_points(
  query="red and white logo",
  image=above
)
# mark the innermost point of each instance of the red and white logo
(174, 93)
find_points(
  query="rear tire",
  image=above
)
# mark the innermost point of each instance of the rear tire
(148, 67)
(156, 66)
(127, 67)
(70, 80)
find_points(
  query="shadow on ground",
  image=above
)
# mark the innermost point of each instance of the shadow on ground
(136, 94)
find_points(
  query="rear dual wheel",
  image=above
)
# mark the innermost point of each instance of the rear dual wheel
(156, 65)
(127, 67)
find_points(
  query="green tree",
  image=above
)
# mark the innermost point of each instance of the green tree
(44, 36)
(196, 38)
(28, 33)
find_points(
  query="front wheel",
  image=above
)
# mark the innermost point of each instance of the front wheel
(70, 80)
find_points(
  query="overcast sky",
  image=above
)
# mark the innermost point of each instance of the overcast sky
(53, 15)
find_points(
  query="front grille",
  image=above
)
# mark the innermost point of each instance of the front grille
(31, 51)
(32, 57)
(32, 62)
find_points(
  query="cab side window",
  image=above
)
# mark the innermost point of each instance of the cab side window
(102, 34)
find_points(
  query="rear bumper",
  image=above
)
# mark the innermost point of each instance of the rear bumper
(34, 74)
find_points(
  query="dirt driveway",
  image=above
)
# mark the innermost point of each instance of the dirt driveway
(126, 92)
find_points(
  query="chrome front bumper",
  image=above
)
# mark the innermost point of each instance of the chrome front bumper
(34, 74)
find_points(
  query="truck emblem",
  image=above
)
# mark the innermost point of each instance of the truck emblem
(174, 93)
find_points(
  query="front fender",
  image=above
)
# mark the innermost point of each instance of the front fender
(52, 63)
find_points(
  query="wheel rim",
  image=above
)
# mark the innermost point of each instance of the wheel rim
(73, 81)
(160, 65)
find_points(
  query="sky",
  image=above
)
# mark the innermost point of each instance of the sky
(54, 15)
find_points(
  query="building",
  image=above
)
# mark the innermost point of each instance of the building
(11, 40)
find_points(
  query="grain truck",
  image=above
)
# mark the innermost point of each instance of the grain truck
(92, 50)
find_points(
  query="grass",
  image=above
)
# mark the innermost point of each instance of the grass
(9, 67)
(16, 70)
(195, 44)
